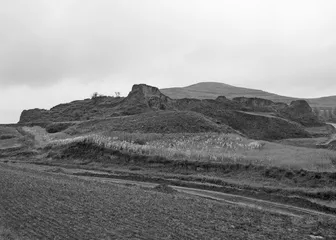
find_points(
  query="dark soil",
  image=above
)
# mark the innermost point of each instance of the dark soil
(40, 205)
(164, 188)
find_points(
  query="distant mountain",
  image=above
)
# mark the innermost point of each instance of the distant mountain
(211, 90)
(325, 107)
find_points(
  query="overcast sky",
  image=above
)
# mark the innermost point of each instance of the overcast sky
(54, 51)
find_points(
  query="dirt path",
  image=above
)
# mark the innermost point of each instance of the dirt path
(43, 205)
(218, 196)
(229, 198)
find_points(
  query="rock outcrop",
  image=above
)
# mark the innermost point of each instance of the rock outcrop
(260, 104)
(144, 98)
(35, 115)
(251, 124)
(300, 111)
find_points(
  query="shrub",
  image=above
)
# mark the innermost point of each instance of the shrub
(6, 136)
(57, 127)
(140, 142)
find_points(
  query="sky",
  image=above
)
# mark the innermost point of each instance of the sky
(56, 51)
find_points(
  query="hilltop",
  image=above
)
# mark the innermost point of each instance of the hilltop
(325, 107)
(211, 90)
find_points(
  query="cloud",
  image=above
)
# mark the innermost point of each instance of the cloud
(78, 40)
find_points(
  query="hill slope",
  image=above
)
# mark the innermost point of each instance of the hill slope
(211, 90)
(325, 107)
(142, 98)
(152, 111)
(153, 122)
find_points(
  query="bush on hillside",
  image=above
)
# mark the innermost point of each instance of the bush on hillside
(6, 136)
(57, 127)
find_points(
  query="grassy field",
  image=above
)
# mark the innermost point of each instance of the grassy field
(213, 147)
(55, 206)
(207, 156)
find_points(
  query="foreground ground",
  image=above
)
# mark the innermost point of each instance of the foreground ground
(41, 205)
(91, 201)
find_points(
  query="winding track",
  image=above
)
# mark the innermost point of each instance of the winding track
(40, 204)
(213, 195)
(228, 198)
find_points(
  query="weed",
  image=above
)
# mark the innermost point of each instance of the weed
(213, 147)
(58, 127)
(6, 136)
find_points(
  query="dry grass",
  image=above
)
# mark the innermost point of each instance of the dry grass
(214, 147)
(41, 136)
(303, 142)
(173, 148)
(4, 130)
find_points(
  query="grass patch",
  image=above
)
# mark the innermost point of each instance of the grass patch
(213, 147)
(92, 149)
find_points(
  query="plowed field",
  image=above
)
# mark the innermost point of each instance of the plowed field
(41, 205)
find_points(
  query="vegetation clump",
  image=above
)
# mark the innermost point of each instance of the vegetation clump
(58, 127)
(164, 188)
(6, 136)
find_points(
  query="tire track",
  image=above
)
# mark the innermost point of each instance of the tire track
(41, 205)
(227, 198)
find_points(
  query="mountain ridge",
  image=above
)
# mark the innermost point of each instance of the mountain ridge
(204, 84)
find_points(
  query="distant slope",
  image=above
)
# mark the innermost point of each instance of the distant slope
(211, 90)
(325, 107)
